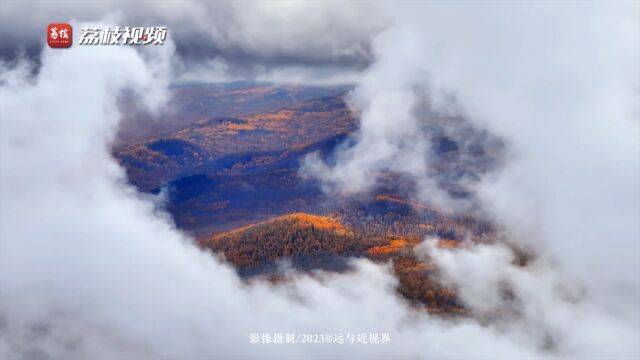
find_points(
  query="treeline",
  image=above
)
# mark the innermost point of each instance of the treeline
(410, 223)
(307, 242)
(417, 283)
(264, 244)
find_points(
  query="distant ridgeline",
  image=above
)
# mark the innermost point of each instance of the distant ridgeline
(228, 161)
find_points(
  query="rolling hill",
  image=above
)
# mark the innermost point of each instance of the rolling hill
(229, 166)
(192, 102)
(234, 145)
(309, 242)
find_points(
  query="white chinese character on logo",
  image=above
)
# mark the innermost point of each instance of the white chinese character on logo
(136, 36)
(90, 36)
(54, 33)
(117, 36)
(160, 35)
(114, 36)
(64, 34)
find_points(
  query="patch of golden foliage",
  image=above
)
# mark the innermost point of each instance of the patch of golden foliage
(303, 220)
(395, 244)
(447, 244)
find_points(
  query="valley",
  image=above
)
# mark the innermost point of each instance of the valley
(233, 182)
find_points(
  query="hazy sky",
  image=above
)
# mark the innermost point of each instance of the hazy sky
(226, 38)
(91, 268)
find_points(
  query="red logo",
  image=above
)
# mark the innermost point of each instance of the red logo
(59, 35)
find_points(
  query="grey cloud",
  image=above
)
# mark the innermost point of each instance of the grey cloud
(559, 83)
(251, 38)
(89, 267)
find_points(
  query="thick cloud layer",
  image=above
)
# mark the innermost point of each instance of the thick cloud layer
(558, 82)
(89, 268)
(222, 40)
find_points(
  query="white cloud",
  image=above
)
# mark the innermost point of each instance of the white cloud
(559, 82)
(89, 268)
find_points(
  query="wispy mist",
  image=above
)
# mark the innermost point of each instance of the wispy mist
(90, 268)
